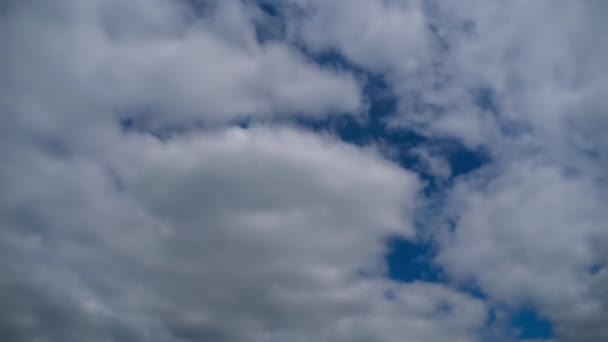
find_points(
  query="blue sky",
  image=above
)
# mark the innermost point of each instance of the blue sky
(303, 170)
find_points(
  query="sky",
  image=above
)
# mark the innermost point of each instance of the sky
(303, 170)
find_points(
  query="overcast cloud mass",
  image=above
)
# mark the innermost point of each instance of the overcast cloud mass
(234, 170)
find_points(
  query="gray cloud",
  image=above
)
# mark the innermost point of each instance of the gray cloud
(531, 235)
(239, 234)
(73, 65)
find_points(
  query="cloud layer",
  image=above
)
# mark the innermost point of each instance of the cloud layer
(258, 234)
(156, 187)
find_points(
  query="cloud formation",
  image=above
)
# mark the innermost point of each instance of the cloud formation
(155, 185)
(258, 234)
(524, 82)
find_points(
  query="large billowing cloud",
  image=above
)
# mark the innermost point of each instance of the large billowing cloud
(259, 234)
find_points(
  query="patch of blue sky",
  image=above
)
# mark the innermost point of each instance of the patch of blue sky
(527, 324)
(409, 261)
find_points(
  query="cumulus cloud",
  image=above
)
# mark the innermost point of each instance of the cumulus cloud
(448, 61)
(532, 235)
(525, 82)
(73, 64)
(259, 234)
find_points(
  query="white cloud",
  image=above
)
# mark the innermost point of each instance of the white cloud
(378, 35)
(530, 235)
(236, 234)
(73, 64)
(542, 61)
(532, 221)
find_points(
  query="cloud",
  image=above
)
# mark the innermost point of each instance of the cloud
(271, 233)
(257, 233)
(71, 64)
(378, 35)
(531, 235)
(543, 76)
(524, 82)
